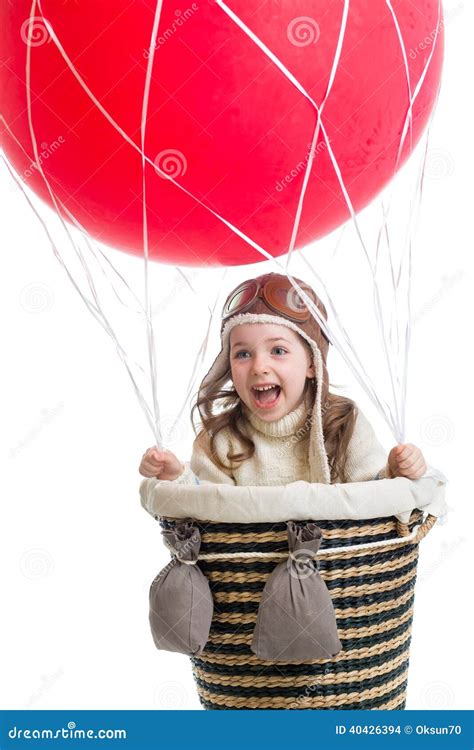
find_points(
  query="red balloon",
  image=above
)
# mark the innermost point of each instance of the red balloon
(223, 120)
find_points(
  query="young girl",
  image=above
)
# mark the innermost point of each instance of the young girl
(277, 422)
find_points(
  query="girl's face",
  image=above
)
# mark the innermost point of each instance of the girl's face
(267, 354)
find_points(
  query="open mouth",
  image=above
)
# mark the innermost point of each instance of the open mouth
(266, 398)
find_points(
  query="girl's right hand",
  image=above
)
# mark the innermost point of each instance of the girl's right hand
(161, 464)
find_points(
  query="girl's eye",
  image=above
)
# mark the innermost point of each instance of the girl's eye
(277, 349)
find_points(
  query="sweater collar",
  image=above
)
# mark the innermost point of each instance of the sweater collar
(287, 425)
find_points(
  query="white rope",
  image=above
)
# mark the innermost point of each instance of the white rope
(321, 553)
(179, 559)
(394, 420)
(148, 307)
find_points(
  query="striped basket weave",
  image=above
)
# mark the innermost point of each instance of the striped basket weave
(372, 589)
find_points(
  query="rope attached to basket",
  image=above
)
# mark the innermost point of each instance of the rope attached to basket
(418, 533)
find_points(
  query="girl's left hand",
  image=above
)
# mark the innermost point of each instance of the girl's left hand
(406, 460)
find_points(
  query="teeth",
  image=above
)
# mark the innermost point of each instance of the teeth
(264, 387)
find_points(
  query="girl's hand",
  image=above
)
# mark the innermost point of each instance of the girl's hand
(406, 460)
(161, 464)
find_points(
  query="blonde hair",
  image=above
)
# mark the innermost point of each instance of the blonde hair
(338, 417)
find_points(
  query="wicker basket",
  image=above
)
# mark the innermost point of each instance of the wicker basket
(372, 589)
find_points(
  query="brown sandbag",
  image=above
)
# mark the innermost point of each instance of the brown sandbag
(296, 619)
(181, 604)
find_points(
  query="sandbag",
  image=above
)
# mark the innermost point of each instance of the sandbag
(181, 605)
(296, 619)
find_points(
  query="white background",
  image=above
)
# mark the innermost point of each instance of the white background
(77, 552)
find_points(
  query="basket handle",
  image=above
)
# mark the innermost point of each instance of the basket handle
(425, 526)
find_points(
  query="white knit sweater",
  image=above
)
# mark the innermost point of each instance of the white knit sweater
(281, 453)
